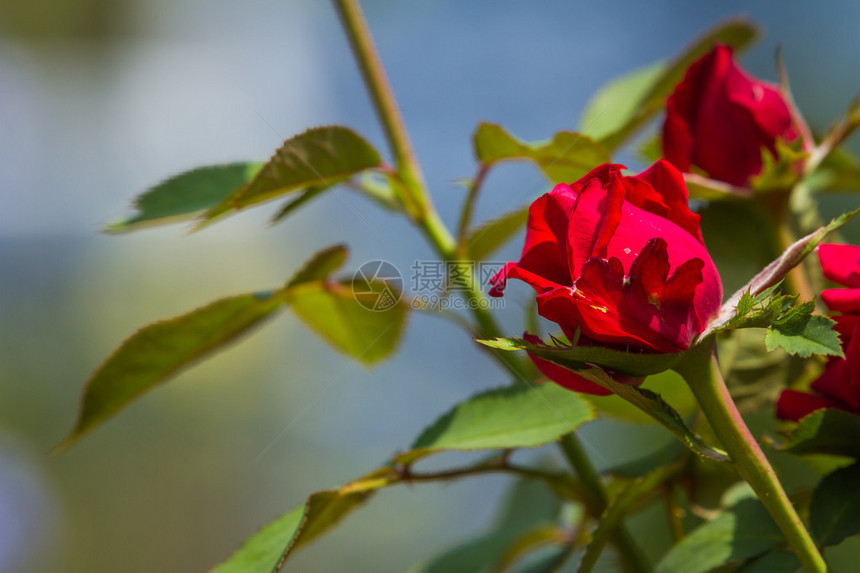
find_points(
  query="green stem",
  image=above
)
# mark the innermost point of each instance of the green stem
(634, 559)
(700, 369)
(382, 95)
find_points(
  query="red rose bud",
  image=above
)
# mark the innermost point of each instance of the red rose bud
(621, 259)
(719, 119)
(839, 384)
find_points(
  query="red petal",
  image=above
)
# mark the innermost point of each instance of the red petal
(835, 383)
(763, 101)
(727, 140)
(681, 113)
(794, 405)
(545, 252)
(668, 183)
(841, 263)
(596, 305)
(666, 306)
(842, 299)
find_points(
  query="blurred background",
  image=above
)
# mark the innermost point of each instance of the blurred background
(100, 99)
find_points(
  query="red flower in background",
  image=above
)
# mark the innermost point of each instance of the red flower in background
(719, 119)
(620, 260)
(839, 384)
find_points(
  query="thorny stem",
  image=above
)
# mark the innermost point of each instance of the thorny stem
(700, 369)
(420, 208)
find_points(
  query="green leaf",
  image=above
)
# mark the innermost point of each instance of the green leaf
(347, 321)
(318, 158)
(269, 548)
(263, 551)
(578, 357)
(162, 349)
(826, 431)
(742, 531)
(627, 103)
(835, 510)
(183, 196)
(520, 416)
(617, 103)
(320, 266)
(491, 236)
(805, 336)
(620, 505)
(565, 158)
(529, 505)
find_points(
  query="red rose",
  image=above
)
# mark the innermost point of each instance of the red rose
(621, 260)
(839, 384)
(719, 118)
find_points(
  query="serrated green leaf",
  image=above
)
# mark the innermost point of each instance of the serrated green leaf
(320, 266)
(578, 357)
(776, 270)
(745, 305)
(318, 158)
(268, 549)
(491, 236)
(826, 431)
(618, 508)
(520, 416)
(742, 531)
(347, 320)
(626, 104)
(772, 310)
(805, 335)
(161, 349)
(835, 510)
(186, 195)
(565, 158)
